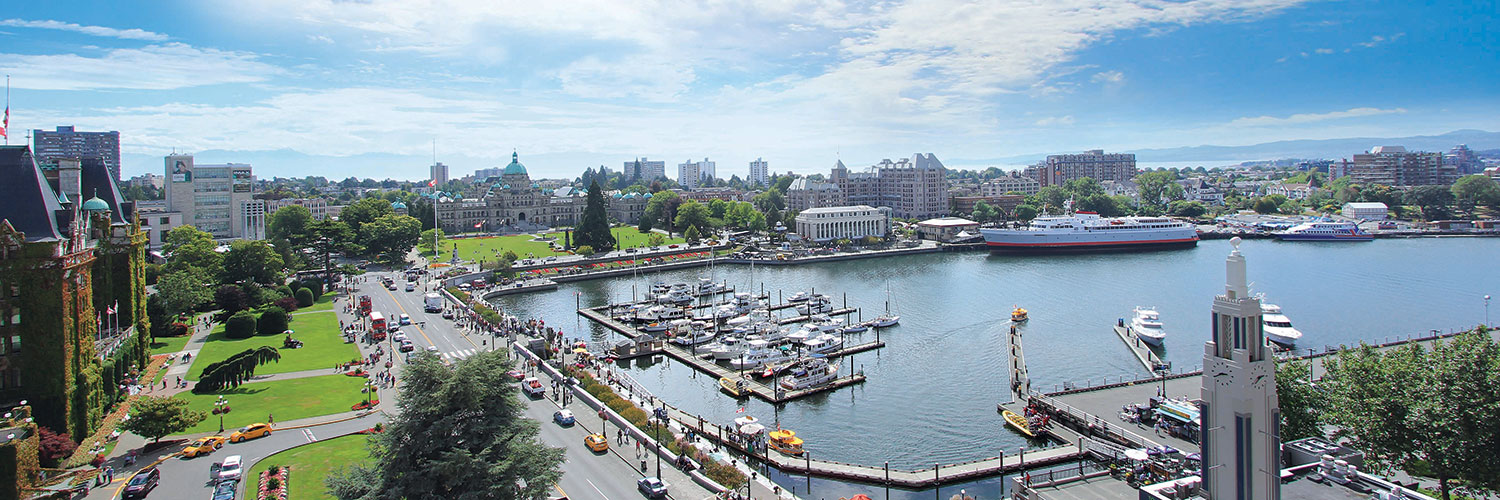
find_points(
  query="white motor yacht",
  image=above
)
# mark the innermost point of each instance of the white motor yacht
(818, 304)
(692, 335)
(822, 323)
(660, 313)
(1147, 326)
(1277, 327)
(674, 296)
(706, 285)
(759, 353)
(824, 343)
(799, 297)
(811, 372)
(728, 348)
(759, 314)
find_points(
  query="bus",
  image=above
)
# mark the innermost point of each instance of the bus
(364, 304)
(377, 325)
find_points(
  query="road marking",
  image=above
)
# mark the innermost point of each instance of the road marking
(560, 491)
(403, 311)
(307, 432)
(596, 488)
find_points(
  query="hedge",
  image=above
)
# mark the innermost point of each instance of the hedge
(272, 321)
(317, 288)
(305, 298)
(240, 326)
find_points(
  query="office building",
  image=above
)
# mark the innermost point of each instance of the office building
(645, 169)
(760, 173)
(49, 146)
(851, 222)
(1395, 166)
(1094, 164)
(215, 198)
(484, 174)
(438, 173)
(915, 187)
(319, 207)
(72, 290)
(804, 193)
(147, 180)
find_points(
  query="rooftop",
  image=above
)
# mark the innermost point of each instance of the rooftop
(834, 210)
(948, 221)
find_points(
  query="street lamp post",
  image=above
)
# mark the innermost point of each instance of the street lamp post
(1486, 310)
(219, 408)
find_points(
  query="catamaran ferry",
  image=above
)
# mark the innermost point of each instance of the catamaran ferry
(1086, 231)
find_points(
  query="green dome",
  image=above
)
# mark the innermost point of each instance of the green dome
(398, 206)
(515, 166)
(95, 204)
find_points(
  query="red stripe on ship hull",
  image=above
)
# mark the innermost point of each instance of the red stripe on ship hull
(1091, 243)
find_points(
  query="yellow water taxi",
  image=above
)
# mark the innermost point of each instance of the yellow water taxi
(1018, 315)
(734, 387)
(1018, 422)
(785, 441)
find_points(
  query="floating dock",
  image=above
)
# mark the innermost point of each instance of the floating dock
(1140, 350)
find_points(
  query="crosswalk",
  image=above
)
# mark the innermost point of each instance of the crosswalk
(459, 354)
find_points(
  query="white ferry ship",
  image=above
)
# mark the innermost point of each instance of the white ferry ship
(1087, 231)
(1325, 231)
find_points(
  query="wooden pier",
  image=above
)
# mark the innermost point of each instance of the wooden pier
(1140, 350)
(937, 475)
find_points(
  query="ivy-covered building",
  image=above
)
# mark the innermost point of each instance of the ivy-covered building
(72, 290)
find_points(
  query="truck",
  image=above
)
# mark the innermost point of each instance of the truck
(432, 302)
(364, 304)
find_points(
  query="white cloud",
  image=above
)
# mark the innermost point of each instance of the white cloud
(1302, 118)
(1055, 121)
(1324, 51)
(126, 34)
(319, 38)
(1109, 77)
(1378, 40)
(153, 67)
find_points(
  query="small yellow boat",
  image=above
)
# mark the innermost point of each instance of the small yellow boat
(735, 388)
(785, 441)
(1018, 315)
(1018, 422)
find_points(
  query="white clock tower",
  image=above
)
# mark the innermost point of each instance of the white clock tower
(1241, 421)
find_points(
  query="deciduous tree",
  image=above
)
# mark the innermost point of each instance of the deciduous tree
(1474, 190)
(249, 260)
(290, 223)
(153, 417)
(390, 236)
(183, 290)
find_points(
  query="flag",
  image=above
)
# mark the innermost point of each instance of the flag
(432, 183)
(109, 310)
(476, 226)
(5, 124)
(741, 410)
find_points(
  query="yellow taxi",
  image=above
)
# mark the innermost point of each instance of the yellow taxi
(251, 431)
(596, 442)
(203, 446)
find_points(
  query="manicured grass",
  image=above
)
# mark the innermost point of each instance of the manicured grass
(491, 248)
(287, 400)
(322, 347)
(324, 303)
(169, 345)
(313, 462)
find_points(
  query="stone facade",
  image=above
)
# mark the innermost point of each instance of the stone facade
(915, 187)
(513, 204)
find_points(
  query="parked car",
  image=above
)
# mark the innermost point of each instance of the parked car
(142, 483)
(203, 446)
(563, 417)
(251, 431)
(231, 468)
(226, 490)
(596, 442)
(652, 487)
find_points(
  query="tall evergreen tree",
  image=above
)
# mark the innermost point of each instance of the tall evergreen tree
(593, 227)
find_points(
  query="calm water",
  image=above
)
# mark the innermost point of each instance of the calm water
(931, 393)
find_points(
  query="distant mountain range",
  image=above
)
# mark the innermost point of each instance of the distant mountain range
(1323, 148)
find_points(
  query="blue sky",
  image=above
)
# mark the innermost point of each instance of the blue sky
(363, 88)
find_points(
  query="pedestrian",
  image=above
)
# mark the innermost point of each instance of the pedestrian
(270, 419)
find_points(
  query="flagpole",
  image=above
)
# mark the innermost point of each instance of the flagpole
(7, 110)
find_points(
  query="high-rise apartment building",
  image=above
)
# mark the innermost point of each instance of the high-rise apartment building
(1395, 166)
(51, 145)
(689, 174)
(439, 173)
(1094, 164)
(803, 194)
(644, 169)
(911, 187)
(1013, 183)
(1464, 160)
(760, 173)
(216, 198)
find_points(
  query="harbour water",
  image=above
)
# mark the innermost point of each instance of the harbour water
(930, 393)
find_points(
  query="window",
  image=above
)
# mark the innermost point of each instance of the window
(1243, 442)
(15, 343)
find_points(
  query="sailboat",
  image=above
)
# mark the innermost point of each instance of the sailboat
(886, 319)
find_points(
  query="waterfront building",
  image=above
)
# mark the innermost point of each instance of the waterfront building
(1395, 166)
(1095, 164)
(438, 173)
(915, 187)
(852, 222)
(804, 193)
(760, 173)
(215, 198)
(1240, 414)
(1367, 210)
(1291, 190)
(511, 203)
(948, 229)
(645, 169)
(1012, 183)
(49, 146)
(72, 289)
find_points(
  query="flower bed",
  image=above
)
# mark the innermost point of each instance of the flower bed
(107, 427)
(273, 483)
(365, 405)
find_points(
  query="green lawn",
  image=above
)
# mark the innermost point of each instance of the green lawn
(324, 303)
(169, 345)
(322, 347)
(311, 463)
(287, 400)
(491, 248)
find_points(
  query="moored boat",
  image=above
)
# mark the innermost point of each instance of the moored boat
(810, 373)
(1087, 231)
(1277, 326)
(733, 387)
(1018, 422)
(785, 441)
(824, 343)
(1325, 231)
(1146, 325)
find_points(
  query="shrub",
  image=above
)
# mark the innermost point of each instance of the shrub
(240, 326)
(287, 304)
(284, 290)
(295, 284)
(584, 250)
(619, 405)
(304, 297)
(231, 299)
(636, 417)
(54, 447)
(178, 329)
(272, 321)
(316, 287)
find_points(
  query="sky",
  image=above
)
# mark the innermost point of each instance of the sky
(375, 88)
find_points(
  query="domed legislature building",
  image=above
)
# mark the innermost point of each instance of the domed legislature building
(510, 204)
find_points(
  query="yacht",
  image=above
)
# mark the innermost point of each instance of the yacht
(659, 313)
(1087, 231)
(707, 286)
(727, 348)
(1277, 327)
(811, 372)
(886, 319)
(693, 336)
(817, 304)
(856, 328)
(659, 326)
(675, 296)
(1325, 231)
(759, 314)
(1147, 326)
(759, 353)
(741, 304)
(824, 343)
(799, 297)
